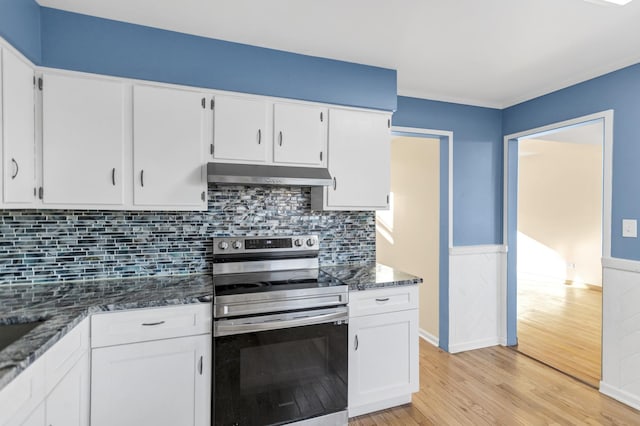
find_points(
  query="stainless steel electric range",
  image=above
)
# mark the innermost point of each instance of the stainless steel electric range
(280, 334)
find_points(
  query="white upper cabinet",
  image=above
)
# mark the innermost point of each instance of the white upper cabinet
(299, 134)
(359, 162)
(83, 141)
(18, 131)
(240, 132)
(169, 134)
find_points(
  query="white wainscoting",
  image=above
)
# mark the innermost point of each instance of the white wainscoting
(475, 288)
(621, 330)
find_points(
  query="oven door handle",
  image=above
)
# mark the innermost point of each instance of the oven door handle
(222, 329)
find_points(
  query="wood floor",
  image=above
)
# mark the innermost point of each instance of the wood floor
(498, 386)
(561, 325)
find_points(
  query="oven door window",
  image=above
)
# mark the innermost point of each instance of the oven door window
(279, 376)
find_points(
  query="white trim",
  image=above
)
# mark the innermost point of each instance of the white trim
(482, 249)
(476, 344)
(440, 133)
(621, 264)
(428, 337)
(620, 395)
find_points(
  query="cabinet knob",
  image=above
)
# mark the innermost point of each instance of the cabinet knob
(355, 343)
(280, 138)
(259, 136)
(142, 178)
(113, 176)
(335, 183)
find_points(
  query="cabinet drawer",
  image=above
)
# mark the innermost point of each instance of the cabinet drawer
(22, 395)
(65, 354)
(378, 301)
(141, 325)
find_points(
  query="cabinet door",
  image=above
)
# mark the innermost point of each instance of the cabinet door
(168, 148)
(240, 129)
(37, 418)
(359, 160)
(83, 141)
(161, 383)
(68, 402)
(299, 134)
(383, 357)
(18, 131)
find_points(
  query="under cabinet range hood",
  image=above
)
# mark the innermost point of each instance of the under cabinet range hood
(244, 174)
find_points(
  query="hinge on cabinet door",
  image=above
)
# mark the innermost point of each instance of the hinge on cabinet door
(389, 123)
(320, 155)
(213, 103)
(212, 149)
(40, 193)
(34, 81)
(387, 198)
(203, 196)
(40, 83)
(35, 192)
(321, 117)
(204, 103)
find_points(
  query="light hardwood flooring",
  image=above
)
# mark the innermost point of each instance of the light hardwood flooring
(498, 386)
(561, 325)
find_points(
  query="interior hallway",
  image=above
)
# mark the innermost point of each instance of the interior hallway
(498, 385)
(561, 325)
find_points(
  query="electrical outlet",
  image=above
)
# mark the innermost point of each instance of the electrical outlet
(630, 228)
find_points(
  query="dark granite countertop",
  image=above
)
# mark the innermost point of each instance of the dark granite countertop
(63, 306)
(370, 275)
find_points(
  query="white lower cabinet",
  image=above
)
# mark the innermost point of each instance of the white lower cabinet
(159, 382)
(68, 403)
(383, 353)
(54, 390)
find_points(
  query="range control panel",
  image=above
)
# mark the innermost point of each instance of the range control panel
(233, 245)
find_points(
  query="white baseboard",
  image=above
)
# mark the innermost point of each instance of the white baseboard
(477, 344)
(429, 337)
(620, 395)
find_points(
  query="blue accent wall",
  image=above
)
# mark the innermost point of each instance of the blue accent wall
(20, 26)
(618, 91)
(95, 45)
(477, 163)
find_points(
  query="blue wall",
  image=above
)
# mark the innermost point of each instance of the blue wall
(618, 91)
(83, 43)
(20, 26)
(477, 163)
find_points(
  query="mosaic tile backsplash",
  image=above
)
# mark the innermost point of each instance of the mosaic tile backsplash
(53, 245)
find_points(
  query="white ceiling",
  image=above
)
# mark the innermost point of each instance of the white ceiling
(492, 52)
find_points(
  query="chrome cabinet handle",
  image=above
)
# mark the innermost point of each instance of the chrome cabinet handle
(113, 176)
(335, 183)
(151, 324)
(200, 365)
(280, 138)
(259, 136)
(386, 299)
(16, 167)
(141, 177)
(355, 343)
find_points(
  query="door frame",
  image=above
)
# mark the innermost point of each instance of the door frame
(508, 289)
(446, 225)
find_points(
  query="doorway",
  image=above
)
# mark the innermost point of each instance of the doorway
(559, 247)
(408, 234)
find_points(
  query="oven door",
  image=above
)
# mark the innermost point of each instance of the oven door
(280, 368)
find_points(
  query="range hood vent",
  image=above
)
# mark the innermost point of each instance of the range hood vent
(243, 174)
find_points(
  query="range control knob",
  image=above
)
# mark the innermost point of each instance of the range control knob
(237, 244)
(223, 245)
(311, 242)
(298, 242)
